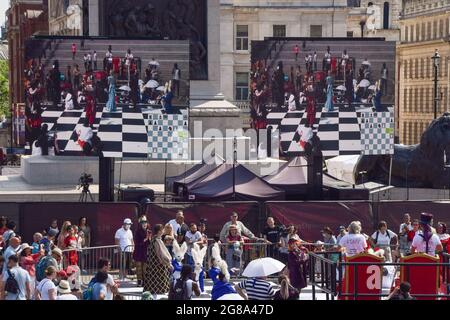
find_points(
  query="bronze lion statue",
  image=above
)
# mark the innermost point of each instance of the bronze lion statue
(416, 166)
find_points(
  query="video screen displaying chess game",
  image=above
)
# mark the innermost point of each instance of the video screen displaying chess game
(341, 91)
(111, 98)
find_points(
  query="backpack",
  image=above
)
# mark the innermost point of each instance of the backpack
(87, 294)
(178, 290)
(11, 285)
(378, 232)
(41, 266)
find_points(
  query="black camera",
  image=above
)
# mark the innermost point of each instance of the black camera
(86, 179)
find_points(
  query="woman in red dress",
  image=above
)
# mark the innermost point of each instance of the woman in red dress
(90, 106)
(71, 244)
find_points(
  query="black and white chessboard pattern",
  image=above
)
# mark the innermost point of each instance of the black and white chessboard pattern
(340, 132)
(124, 133)
(377, 132)
(168, 137)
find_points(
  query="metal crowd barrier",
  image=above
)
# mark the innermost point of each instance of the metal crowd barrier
(88, 260)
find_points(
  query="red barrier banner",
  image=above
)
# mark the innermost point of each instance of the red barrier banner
(311, 217)
(423, 279)
(217, 214)
(369, 278)
(103, 218)
(392, 212)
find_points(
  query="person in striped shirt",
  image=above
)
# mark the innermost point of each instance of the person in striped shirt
(256, 289)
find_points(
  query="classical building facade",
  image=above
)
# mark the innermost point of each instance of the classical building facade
(424, 27)
(378, 18)
(25, 18)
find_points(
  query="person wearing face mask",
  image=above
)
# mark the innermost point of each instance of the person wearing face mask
(124, 239)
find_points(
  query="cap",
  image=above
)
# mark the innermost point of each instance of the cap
(52, 233)
(147, 296)
(57, 251)
(425, 218)
(25, 246)
(64, 287)
(127, 221)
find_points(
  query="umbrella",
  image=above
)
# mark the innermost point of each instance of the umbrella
(364, 83)
(125, 88)
(231, 297)
(373, 87)
(366, 63)
(161, 88)
(263, 267)
(154, 63)
(341, 88)
(152, 84)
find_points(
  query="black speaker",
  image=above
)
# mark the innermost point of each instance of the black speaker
(136, 194)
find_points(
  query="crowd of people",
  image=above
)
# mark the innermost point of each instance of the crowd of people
(300, 88)
(90, 86)
(170, 259)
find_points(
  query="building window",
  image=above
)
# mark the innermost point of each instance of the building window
(279, 31)
(417, 32)
(447, 27)
(423, 32)
(406, 35)
(315, 31)
(441, 28)
(429, 31)
(435, 29)
(349, 34)
(241, 86)
(386, 15)
(241, 37)
(405, 99)
(411, 33)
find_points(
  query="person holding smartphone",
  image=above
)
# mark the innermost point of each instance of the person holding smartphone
(142, 237)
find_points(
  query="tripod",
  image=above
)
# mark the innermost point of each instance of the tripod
(84, 193)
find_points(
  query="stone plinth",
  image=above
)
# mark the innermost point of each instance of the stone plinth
(60, 171)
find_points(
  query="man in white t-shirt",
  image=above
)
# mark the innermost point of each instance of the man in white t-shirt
(104, 265)
(425, 241)
(383, 236)
(354, 242)
(124, 239)
(191, 237)
(23, 281)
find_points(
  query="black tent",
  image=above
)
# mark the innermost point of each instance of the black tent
(196, 172)
(292, 177)
(218, 186)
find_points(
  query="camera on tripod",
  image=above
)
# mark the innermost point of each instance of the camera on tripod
(83, 183)
(85, 180)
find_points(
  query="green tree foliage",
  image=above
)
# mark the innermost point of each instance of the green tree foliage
(5, 108)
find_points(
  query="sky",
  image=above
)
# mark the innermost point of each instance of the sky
(4, 5)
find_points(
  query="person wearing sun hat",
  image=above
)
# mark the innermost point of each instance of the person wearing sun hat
(64, 292)
(142, 237)
(425, 241)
